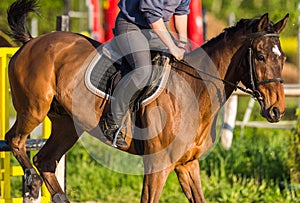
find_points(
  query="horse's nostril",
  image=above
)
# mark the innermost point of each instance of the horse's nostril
(275, 113)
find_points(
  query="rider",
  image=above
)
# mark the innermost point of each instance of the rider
(138, 22)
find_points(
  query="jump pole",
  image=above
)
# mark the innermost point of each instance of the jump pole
(6, 169)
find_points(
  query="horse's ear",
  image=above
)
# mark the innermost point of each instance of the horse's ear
(263, 22)
(280, 25)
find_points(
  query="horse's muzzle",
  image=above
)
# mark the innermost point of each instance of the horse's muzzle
(272, 114)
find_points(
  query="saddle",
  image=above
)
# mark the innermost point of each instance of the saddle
(107, 67)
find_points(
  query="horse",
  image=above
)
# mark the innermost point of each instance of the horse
(46, 77)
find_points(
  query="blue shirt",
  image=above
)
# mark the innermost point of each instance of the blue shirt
(145, 12)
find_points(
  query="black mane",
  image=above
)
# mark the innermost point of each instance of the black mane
(243, 27)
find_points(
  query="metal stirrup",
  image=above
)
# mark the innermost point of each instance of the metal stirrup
(114, 143)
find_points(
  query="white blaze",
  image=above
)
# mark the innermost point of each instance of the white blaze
(276, 50)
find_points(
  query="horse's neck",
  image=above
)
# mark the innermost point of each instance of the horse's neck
(224, 55)
(220, 52)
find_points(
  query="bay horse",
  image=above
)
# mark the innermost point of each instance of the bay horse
(47, 78)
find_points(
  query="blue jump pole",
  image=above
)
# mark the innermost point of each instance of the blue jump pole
(30, 145)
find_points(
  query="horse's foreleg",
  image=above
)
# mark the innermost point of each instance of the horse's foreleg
(153, 185)
(16, 139)
(62, 138)
(189, 178)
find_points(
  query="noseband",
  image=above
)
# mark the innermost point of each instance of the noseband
(253, 75)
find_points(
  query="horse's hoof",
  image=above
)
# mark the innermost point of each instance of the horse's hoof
(33, 183)
(28, 199)
(60, 198)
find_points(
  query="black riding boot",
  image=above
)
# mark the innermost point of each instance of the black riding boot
(111, 124)
(112, 130)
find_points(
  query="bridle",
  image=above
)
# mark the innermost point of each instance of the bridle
(254, 82)
(253, 91)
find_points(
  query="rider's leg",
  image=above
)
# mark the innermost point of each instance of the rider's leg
(134, 47)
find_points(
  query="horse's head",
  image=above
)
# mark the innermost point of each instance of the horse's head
(264, 67)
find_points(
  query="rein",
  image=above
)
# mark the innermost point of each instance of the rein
(236, 86)
(253, 75)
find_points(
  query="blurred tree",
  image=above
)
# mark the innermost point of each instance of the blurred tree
(47, 14)
(252, 8)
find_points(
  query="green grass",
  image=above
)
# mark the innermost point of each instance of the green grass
(255, 169)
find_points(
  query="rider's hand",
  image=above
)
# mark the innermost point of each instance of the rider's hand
(178, 52)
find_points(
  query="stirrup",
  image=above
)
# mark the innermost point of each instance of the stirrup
(114, 134)
(118, 140)
(114, 143)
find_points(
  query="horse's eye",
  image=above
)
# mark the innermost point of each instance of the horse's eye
(260, 57)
